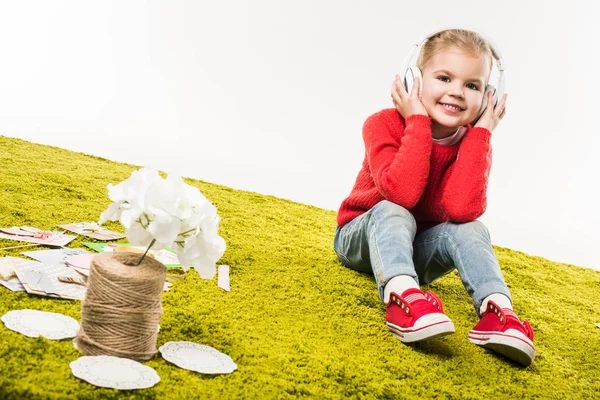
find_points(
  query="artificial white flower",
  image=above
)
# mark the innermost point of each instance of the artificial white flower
(162, 213)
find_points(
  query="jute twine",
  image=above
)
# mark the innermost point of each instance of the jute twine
(122, 306)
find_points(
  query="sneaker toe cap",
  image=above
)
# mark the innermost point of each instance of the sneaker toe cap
(431, 319)
(518, 334)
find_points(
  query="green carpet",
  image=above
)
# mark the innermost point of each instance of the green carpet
(296, 322)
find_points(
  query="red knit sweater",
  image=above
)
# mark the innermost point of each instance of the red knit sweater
(435, 183)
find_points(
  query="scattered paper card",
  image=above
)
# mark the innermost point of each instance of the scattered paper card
(114, 372)
(7, 270)
(20, 231)
(93, 230)
(8, 276)
(34, 323)
(13, 284)
(56, 256)
(223, 279)
(35, 235)
(598, 325)
(197, 357)
(42, 279)
(165, 256)
(81, 262)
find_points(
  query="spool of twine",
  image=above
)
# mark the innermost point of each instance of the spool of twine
(122, 307)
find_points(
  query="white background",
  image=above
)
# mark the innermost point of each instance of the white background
(270, 96)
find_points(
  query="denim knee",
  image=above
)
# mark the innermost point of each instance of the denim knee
(469, 231)
(387, 209)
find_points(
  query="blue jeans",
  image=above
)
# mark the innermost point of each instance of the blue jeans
(384, 241)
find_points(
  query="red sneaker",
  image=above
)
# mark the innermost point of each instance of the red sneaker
(501, 330)
(415, 316)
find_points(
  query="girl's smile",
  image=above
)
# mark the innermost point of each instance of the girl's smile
(451, 108)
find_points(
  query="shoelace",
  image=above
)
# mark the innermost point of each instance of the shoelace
(405, 304)
(528, 328)
(433, 299)
(507, 312)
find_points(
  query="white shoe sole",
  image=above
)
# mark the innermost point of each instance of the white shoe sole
(511, 344)
(426, 327)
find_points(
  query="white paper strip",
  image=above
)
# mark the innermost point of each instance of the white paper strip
(223, 279)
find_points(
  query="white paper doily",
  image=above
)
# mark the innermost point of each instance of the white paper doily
(34, 323)
(197, 357)
(114, 372)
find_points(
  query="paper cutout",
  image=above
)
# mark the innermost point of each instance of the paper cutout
(114, 372)
(34, 323)
(93, 230)
(223, 279)
(34, 235)
(197, 357)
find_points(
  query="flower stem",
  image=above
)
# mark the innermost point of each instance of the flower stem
(151, 243)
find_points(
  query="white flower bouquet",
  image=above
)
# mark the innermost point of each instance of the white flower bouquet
(160, 213)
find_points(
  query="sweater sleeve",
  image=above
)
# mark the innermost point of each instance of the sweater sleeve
(398, 155)
(464, 194)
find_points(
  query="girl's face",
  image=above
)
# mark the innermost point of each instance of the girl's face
(453, 85)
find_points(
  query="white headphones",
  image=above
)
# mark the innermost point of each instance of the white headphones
(411, 72)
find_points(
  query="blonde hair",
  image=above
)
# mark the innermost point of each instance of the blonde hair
(462, 39)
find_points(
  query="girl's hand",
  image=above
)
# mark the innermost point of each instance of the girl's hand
(492, 116)
(407, 104)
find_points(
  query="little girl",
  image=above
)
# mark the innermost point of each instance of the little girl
(412, 214)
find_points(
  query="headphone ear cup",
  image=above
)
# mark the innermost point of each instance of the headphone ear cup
(488, 89)
(409, 79)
